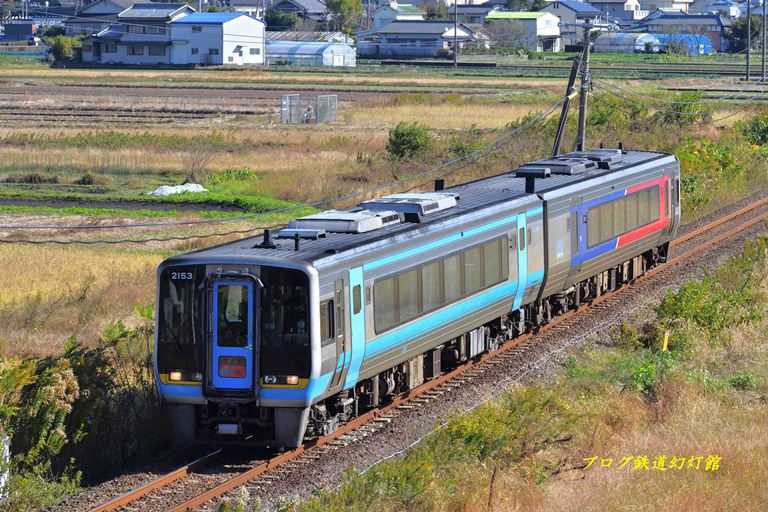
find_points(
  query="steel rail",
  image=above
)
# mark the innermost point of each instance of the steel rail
(372, 415)
(163, 481)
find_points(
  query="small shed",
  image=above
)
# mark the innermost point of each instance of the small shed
(627, 42)
(298, 53)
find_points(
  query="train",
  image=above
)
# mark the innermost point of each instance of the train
(280, 338)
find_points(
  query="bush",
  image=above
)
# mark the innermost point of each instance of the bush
(407, 140)
(743, 381)
(756, 129)
(63, 47)
(686, 109)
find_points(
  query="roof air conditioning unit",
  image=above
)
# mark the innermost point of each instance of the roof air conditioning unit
(341, 221)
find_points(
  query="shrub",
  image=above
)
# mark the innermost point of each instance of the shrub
(407, 140)
(686, 109)
(63, 47)
(756, 129)
(743, 381)
(465, 143)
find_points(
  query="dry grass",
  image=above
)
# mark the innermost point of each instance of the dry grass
(51, 293)
(452, 117)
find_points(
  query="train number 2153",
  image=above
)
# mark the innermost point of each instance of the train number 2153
(181, 275)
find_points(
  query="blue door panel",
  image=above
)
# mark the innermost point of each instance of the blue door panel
(219, 351)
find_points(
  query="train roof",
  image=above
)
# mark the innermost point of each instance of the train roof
(375, 219)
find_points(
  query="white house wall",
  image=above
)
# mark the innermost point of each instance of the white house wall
(242, 33)
(240, 36)
(190, 47)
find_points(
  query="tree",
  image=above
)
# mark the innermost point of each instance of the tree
(278, 20)
(63, 47)
(737, 33)
(538, 5)
(438, 11)
(345, 14)
(6, 8)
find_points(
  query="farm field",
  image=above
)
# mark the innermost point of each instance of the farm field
(80, 150)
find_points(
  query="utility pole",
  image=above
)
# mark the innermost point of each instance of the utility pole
(585, 78)
(764, 38)
(749, 35)
(455, 34)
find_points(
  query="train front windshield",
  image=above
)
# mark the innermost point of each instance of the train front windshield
(282, 313)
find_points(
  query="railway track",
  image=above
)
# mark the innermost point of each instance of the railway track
(189, 487)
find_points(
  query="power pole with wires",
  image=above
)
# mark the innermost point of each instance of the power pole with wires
(749, 36)
(764, 38)
(455, 33)
(585, 79)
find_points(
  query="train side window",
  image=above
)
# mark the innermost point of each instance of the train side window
(473, 270)
(357, 299)
(492, 264)
(654, 197)
(593, 227)
(632, 210)
(432, 285)
(452, 278)
(521, 238)
(619, 215)
(408, 295)
(384, 304)
(327, 312)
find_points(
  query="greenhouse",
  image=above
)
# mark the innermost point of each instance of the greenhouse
(687, 44)
(297, 53)
(627, 42)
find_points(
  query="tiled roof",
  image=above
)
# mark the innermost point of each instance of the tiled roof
(577, 6)
(151, 10)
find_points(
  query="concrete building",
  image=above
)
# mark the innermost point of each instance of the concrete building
(217, 38)
(535, 31)
(572, 13)
(726, 8)
(295, 53)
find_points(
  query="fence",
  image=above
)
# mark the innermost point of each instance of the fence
(298, 109)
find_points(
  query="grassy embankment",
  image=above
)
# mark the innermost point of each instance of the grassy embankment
(104, 283)
(623, 426)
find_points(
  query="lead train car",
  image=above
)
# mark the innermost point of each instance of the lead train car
(280, 339)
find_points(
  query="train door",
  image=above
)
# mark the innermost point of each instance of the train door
(522, 259)
(342, 340)
(357, 326)
(232, 344)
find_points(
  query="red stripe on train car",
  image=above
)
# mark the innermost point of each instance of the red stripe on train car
(654, 227)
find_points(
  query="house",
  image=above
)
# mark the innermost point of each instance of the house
(714, 26)
(628, 10)
(407, 39)
(652, 5)
(95, 17)
(299, 53)
(309, 37)
(217, 38)
(472, 13)
(314, 10)
(535, 31)
(394, 11)
(572, 13)
(140, 36)
(726, 8)
(255, 8)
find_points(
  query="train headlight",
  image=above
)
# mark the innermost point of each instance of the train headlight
(175, 376)
(292, 380)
